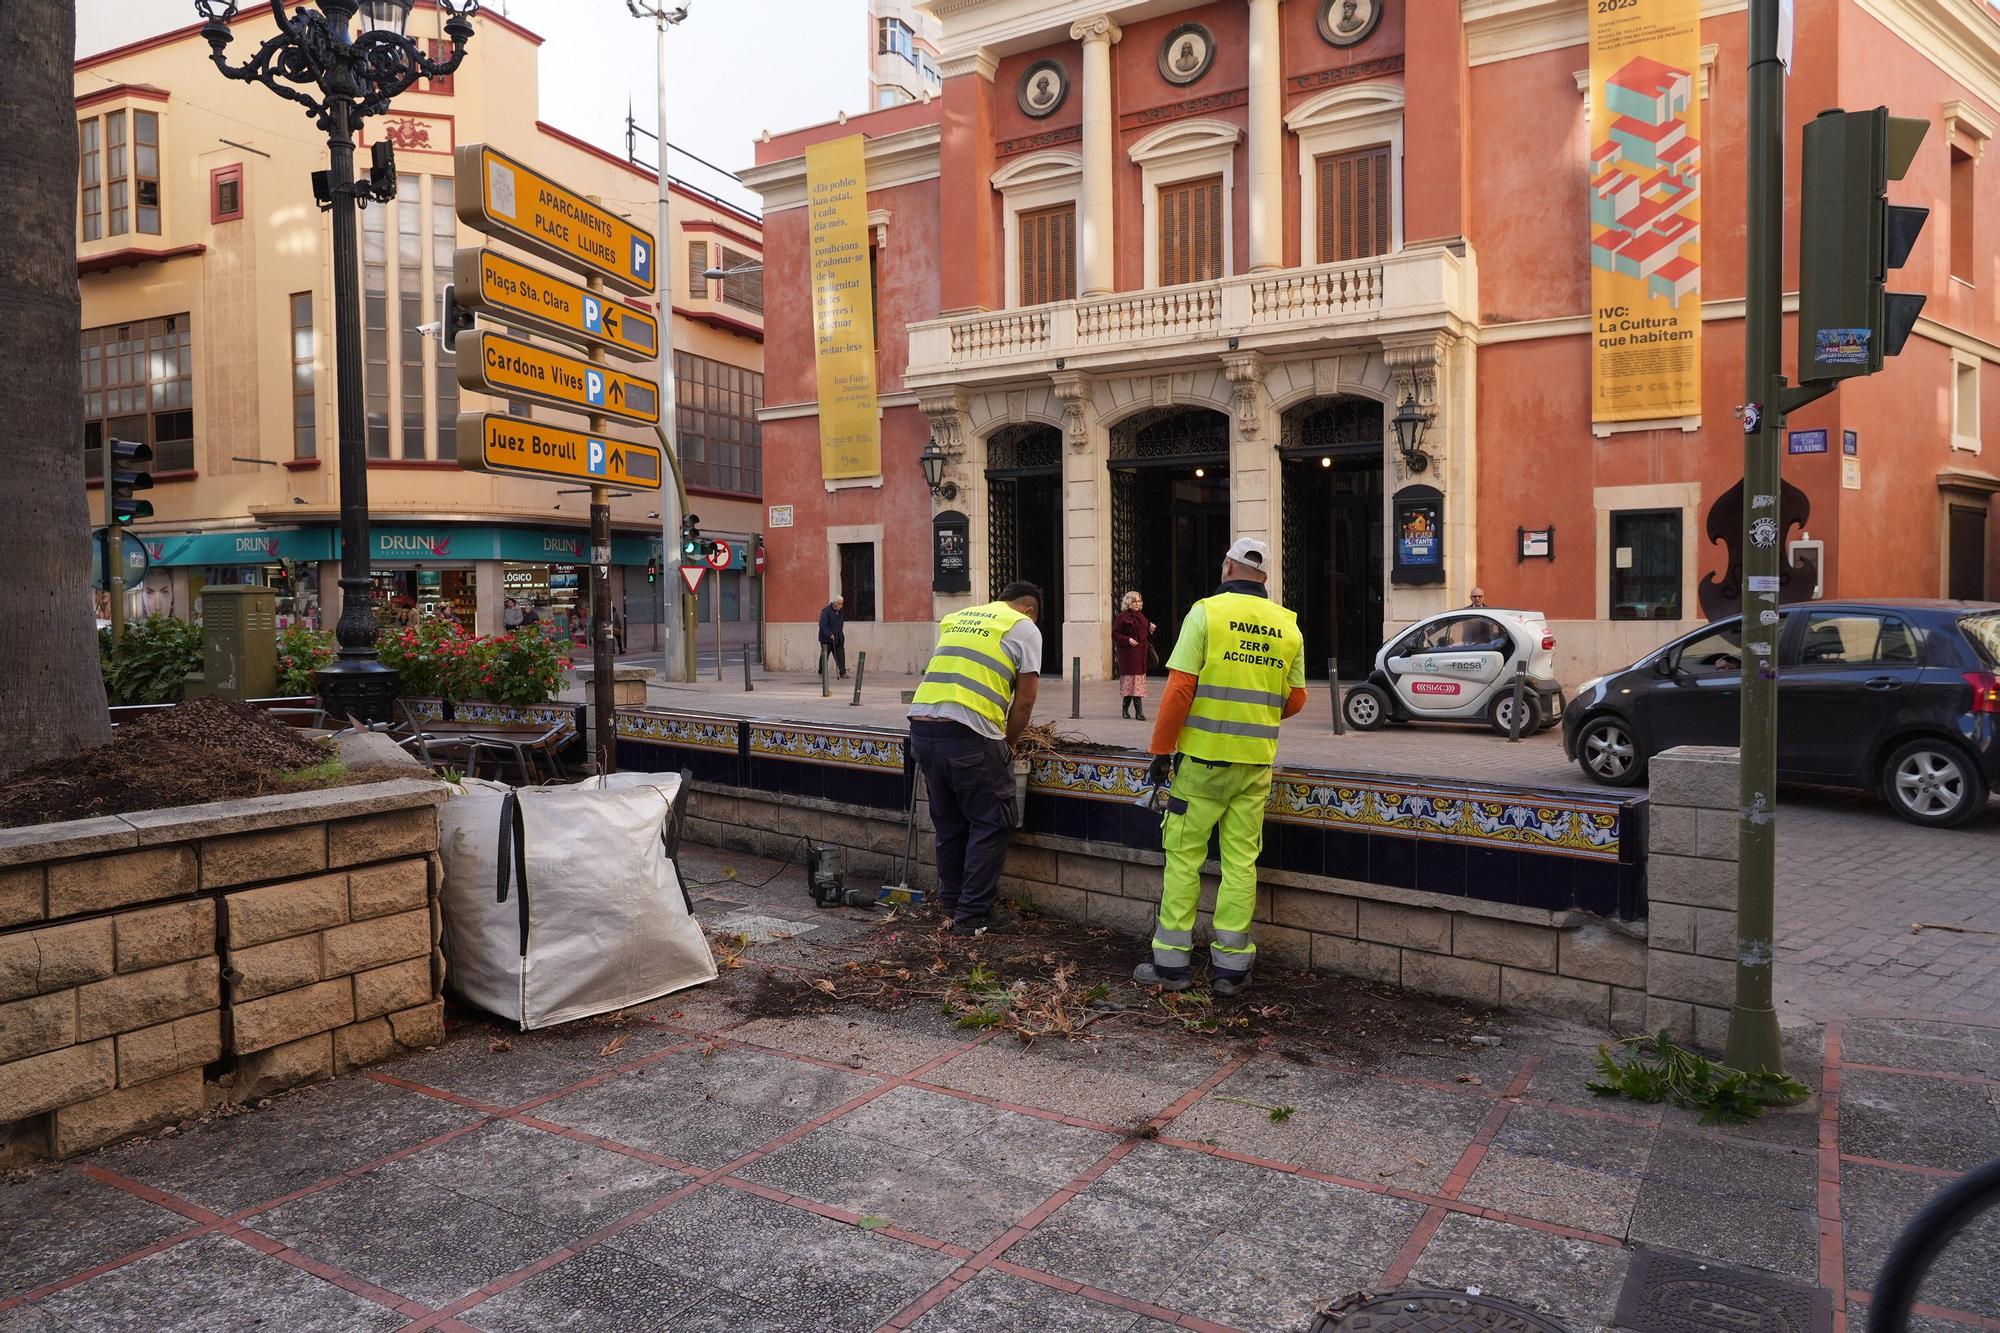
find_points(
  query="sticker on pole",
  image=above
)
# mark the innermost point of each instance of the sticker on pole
(1841, 347)
(691, 575)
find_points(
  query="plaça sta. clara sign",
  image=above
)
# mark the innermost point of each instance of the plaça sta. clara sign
(491, 442)
(495, 284)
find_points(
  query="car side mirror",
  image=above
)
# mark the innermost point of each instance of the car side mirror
(1663, 666)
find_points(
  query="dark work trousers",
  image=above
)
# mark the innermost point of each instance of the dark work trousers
(971, 784)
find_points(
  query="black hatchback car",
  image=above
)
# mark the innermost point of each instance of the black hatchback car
(1899, 697)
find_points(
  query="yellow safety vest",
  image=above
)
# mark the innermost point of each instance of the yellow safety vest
(1253, 644)
(970, 667)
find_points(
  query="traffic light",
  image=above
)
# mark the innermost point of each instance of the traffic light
(125, 476)
(653, 570)
(1850, 237)
(694, 549)
(453, 318)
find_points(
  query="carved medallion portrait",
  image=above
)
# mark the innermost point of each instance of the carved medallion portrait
(1043, 88)
(1345, 22)
(1186, 54)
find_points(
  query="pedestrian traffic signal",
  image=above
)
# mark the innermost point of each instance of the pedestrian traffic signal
(126, 475)
(1850, 237)
(653, 570)
(453, 318)
(693, 548)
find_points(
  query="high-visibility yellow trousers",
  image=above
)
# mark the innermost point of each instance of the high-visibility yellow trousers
(1230, 799)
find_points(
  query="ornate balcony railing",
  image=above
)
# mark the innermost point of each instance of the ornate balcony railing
(1266, 311)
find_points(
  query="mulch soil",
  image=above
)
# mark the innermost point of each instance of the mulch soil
(1053, 980)
(203, 750)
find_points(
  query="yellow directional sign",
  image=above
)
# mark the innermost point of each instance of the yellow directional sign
(509, 368)
(489, 442)
(502, 197)
(494, 284)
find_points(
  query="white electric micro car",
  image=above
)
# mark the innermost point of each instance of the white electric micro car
(1459, 666)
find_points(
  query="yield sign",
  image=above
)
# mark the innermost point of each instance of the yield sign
(691, 575)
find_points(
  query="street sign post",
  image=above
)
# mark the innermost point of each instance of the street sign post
(136, 562)
(502, 197)
(491, 442)
(510, 368)
(494, 284)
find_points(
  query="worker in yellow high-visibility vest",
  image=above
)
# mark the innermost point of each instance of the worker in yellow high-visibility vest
(976, 697)
(1237, 671)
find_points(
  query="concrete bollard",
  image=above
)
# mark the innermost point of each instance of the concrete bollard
(860, 671)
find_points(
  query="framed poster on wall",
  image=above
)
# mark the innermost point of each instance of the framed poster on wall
(1418, 518)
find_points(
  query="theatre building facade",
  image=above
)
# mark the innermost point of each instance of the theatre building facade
(1151, 275)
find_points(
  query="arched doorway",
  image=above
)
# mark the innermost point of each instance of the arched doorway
(1169, 510)
(1331, 472)
(1024, 511)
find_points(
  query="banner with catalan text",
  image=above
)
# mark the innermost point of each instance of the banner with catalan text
(850, 423)
(1645, 209)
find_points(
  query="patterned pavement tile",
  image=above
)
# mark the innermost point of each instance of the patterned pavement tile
(1575, 1280)
(599, 1289)
(60, 1222)
(567, 1186)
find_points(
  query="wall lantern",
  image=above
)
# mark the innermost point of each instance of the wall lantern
(933, 460)
(1410, 421)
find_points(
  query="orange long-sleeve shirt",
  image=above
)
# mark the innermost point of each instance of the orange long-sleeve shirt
(1174, 710)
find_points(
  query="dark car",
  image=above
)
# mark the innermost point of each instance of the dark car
(1899, 697)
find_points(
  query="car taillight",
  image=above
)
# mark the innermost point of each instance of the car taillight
(1548, 643)
(1985, 691)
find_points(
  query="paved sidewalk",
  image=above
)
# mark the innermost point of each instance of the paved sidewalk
(711, 1162)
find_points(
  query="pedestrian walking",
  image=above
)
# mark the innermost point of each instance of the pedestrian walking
(1237, 671)
(1132, 653)
(976, 698)
(833, 636)
(510, 614)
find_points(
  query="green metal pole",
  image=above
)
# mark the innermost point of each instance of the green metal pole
(1753, 1023)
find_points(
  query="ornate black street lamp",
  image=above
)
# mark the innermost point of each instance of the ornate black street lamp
(934, 461)
(341, 78)
(1409, 422)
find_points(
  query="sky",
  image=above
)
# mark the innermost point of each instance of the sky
(735, 68)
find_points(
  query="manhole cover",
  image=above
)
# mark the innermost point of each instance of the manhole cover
(1431, 1312)
(761, 929)
(1665, 1293)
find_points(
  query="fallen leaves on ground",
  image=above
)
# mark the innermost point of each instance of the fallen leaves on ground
(616, 1044)
(499, 1046)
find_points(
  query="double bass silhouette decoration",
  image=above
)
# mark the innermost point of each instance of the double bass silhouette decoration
(1723, 596)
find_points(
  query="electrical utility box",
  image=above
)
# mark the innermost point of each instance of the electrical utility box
(239, 643)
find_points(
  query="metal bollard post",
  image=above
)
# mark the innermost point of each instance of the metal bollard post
(860, 672)
(1333, 683)
(1520, 686)
(825, 681)
(747, 686)
(1076, 687)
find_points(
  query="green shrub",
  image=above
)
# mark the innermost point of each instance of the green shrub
(301, 652)
(151, 662)
(523, 668)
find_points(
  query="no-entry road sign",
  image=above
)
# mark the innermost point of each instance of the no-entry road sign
(516, 293)
(510, 368)
(503, 197)
(490, 442)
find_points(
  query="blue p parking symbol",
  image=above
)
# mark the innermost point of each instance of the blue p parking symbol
(593, 314)
(642, 260)
(593, 386)
(594, 459)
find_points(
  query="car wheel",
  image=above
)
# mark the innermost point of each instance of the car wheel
(1608, 752)
(1501, 713)
(1365, 708)
(1932, 782)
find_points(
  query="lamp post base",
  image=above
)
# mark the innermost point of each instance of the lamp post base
(362, 689)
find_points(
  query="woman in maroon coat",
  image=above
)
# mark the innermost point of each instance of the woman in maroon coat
(1131, 651)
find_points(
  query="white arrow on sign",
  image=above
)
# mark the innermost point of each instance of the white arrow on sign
(691, 575)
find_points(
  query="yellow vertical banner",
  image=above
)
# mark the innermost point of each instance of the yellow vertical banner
(1645, 209)
(850, 426)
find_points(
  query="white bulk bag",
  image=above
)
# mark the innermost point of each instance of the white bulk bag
(560, 902)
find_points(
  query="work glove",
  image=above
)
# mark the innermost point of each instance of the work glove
(1161, 771)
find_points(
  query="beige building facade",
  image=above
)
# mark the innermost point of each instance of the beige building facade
(207, 279)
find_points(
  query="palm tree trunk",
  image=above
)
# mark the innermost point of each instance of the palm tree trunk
(52, 704)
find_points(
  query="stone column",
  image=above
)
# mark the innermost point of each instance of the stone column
(1253, 463)
(972, 280)
(489, 594)
(1691, 891)
(1435, 368)
(1267, 139)
(1086, 527)
(1094, 218)
(952, 433)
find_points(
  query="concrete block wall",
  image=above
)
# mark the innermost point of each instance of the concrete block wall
(155, 964)
(1691, 979)
(1569, 964)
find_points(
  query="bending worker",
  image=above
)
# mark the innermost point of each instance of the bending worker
(976, 698)
(1236, 672)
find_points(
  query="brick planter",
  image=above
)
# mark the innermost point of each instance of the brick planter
(154, 964)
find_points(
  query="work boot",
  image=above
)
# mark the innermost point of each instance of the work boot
(988, 923)
(1227, 984)
(1148, 975)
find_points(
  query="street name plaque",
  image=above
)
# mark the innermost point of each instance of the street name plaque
(495, 284)
(507, 367)
(491, 442)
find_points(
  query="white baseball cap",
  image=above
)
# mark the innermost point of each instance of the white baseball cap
(1249, 551)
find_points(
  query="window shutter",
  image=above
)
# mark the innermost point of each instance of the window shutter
(1354, 205)
(697, 265)
(1190, 231)
(1210, 267)
(1047, 254)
